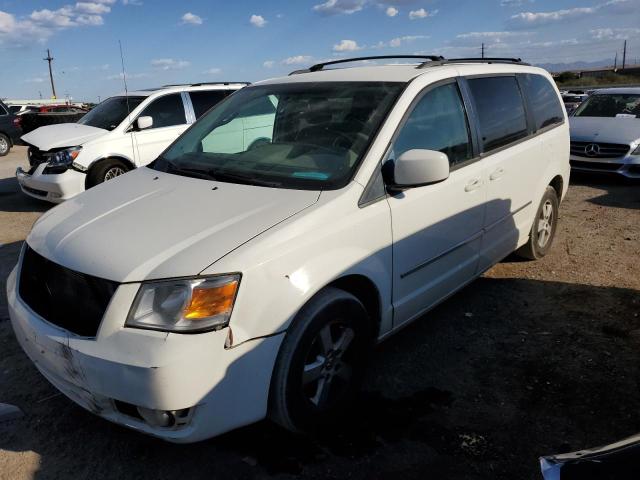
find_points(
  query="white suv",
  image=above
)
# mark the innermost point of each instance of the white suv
(120, 134)
(230, 281)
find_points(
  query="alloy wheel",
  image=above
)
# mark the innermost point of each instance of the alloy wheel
(113, 172)
(4, 146)
(545, 224)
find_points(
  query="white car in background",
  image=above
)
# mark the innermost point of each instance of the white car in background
(240, 277)
(122, 133)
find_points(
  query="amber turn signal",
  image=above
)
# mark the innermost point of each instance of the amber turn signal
(211, 301)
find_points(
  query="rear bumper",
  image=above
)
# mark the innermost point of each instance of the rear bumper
(54, 188)
(628, 166)
(222, 388)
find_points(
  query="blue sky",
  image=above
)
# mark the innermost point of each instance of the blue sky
(210, 40)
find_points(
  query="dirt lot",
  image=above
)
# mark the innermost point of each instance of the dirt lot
(532, 359)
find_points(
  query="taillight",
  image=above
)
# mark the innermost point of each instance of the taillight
(17, 122)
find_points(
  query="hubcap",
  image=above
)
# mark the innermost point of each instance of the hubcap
(545, 224)
(113, 172)
(4, 145)
(327, 373)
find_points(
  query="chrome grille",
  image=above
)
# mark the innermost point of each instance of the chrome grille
(599, 150)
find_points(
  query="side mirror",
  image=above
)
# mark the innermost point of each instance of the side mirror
(144, 122)
(416, 168)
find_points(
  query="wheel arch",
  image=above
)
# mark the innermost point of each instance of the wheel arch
(130, 165)
(557, 183)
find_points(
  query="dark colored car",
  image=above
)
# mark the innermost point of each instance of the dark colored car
(10, 130)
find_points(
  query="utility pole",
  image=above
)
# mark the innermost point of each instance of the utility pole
(50, 59)
(624, 55)
(483, 50)
(615, 63)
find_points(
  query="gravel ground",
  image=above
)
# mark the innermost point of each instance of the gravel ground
(532, 359)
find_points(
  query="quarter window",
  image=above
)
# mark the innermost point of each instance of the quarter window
(202, 101)
(543, 100)
(500, 110)
(438, 122)
(166, 111)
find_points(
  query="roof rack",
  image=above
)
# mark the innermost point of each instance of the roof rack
(320, 66)
(200, 84)
(444, 61)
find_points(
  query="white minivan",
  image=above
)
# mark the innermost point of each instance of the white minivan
(120, 134)
(231, 281)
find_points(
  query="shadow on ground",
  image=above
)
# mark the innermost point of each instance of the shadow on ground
(621, 192)
(503, 372)
(13, 200)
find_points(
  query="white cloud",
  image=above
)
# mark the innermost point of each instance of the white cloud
(530, 19)
(421, 13)
(268, 64)
(297, 60)
(213, 71)
(397, 42)
(391, 12)
(136, 3)
(346, 46)
(191, 19)
(334, 7)
(130, 76)
(35, 80)
(92, 8)
(614, 33)
(257, 21)
(514, 3)
(169, 64)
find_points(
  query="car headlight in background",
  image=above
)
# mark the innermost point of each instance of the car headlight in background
(64, 158)
(636, 151)
(188, 305)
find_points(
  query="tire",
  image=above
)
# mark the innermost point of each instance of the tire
(543, 230)
(104, 171)
(5, 145)
(334, 375)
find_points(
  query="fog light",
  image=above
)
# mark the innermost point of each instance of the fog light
(55, 195)
(157, 418)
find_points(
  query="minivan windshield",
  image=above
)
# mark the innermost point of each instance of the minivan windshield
(610, 105)
(110, 113)
(292, 135)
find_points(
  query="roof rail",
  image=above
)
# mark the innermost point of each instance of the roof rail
(320, 66)
(512, 61)
(200, 84)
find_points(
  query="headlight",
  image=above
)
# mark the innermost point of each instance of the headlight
(64, 158)
(636, 151)
(185, 305)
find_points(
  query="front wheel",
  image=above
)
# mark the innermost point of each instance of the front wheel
(544, 227)
(5, 145)
(104, 171)
(321, 361)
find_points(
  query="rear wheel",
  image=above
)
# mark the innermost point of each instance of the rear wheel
(5, 145)
(104, 171)
(544, 226)
(321, 362)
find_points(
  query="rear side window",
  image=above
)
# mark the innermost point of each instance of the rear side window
(500, 110)
(13, 108)
(3, 111)
(166, 111)
(438, 122)
(543, 100)
(203, 101)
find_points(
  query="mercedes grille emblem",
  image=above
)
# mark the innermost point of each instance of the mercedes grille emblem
(592, 150)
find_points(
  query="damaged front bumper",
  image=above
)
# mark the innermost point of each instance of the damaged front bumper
(52, 187)
(132, 376)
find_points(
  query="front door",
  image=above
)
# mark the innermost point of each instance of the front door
(169, 121)
(437, 229)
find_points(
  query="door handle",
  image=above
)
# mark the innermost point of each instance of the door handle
(497, 174)
(473, 184)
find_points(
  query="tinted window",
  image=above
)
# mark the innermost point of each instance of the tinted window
(610, 105)
(500, 110)
(203, 101)
(13, 108)
(166, 111)
(3, 111)
(543, 100)
(438, 122)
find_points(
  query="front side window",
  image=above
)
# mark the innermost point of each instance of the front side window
(544, 101)
(500, 110)
(610, 105)
(166, 111)
(12, 109)
(110, 113)
(203, 100)
(438, 122)
(293, 135)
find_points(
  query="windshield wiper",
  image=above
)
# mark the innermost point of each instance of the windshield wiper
(244, 179)
(189, 172)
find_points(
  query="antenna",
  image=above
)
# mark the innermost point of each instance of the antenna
(126, 96)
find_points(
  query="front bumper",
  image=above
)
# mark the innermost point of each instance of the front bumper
(628, 166)
(54, 188)
(222, 388)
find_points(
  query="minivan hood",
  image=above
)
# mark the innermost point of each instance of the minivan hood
(62, 135)
(150, 225)
(603, 129)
